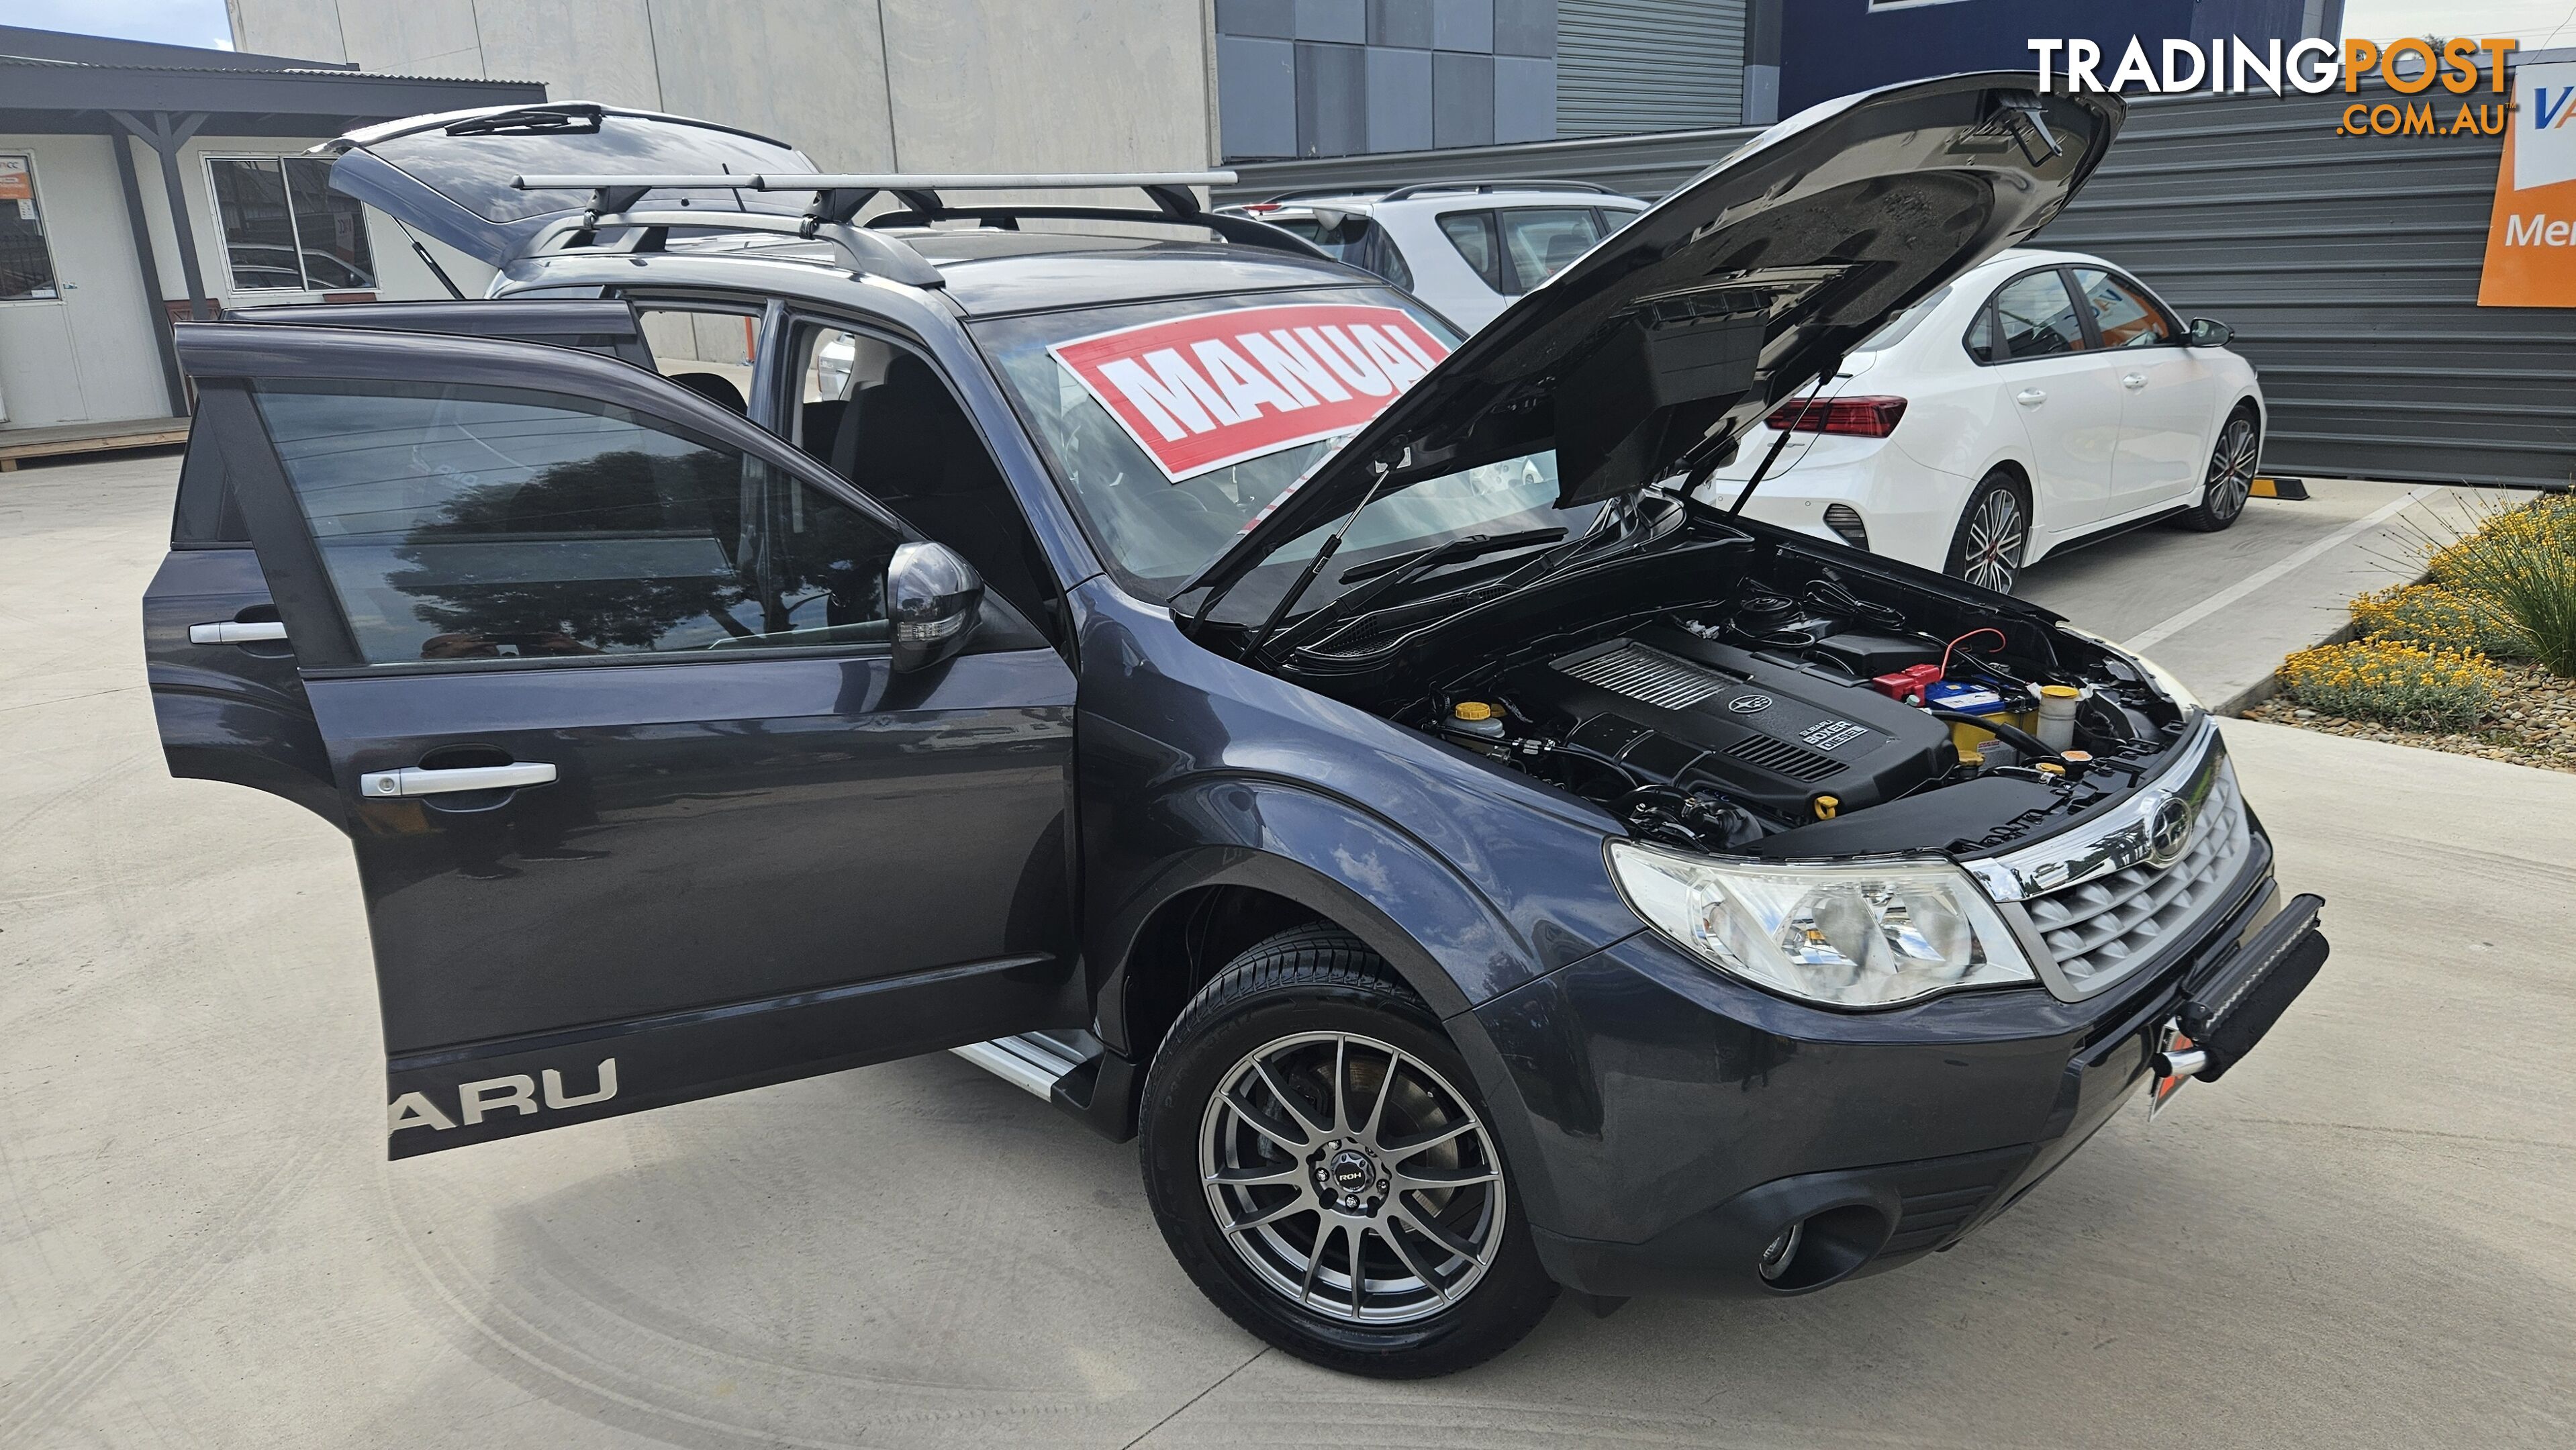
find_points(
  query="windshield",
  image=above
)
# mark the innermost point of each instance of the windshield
(1157, 533)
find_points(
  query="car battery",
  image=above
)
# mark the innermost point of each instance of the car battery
(1966, 697)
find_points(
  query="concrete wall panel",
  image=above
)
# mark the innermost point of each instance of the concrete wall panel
(1524, 99)
(981, 84)
(584, 50)
(1256, 88)
(1344, 21)
(1399, 99)
(1400, 22)
(1463, 25)
(1462, 99)
(808, 71)
(417, 37)
(304, 29)
(1332, 99)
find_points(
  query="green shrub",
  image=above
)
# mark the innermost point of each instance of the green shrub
(2524, 562)
(2436, 617)
(2398, 684)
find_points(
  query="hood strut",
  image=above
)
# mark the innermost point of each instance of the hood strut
(1772, 457)
(1313, 567)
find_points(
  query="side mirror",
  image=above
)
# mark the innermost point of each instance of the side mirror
(2208, 332)
(934, 598)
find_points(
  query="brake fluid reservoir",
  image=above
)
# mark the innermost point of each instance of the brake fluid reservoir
(1475, 717)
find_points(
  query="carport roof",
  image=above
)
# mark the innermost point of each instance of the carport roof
(58, 83)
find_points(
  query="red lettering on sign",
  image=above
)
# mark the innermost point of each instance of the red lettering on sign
(1213, 388)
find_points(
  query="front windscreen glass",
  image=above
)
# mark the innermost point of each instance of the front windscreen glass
(1157, 532)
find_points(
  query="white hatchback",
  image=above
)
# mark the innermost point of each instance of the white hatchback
(1468, 248)
(2040, 399)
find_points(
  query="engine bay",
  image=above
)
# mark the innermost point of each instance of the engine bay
(1814, 708)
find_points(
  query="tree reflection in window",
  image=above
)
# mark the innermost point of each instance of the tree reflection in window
(475, 523)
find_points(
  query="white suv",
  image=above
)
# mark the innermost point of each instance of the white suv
(1465, 247)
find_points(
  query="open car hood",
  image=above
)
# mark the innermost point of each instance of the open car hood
(449, 176)
(1656, 349)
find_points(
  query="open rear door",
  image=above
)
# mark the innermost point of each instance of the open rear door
(597, 678)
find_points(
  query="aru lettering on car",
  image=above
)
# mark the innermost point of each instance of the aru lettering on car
(1411, 814)
(516, 1093)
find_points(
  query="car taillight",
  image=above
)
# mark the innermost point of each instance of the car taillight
(1855, 417)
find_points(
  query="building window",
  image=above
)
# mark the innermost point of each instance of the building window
(285, 230)
(26, 264)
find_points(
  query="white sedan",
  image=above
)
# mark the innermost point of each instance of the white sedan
(2040, 399)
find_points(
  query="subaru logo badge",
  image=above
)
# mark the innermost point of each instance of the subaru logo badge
(2168, 819)
(1749, 704)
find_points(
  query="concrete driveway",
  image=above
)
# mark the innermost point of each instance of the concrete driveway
(2364, 1237)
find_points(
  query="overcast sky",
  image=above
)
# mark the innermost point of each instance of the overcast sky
(173, 22)
(202, 22)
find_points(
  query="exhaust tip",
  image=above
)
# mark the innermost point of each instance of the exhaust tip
(1820, 1249)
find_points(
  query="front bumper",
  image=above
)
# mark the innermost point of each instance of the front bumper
(1678, 1121)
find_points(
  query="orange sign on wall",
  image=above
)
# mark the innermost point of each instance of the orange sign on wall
(15, 183)
(2531, 237)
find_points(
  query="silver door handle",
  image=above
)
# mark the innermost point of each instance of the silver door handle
(2134, 381)
(412, 780)
(2030, 397)
(235, 632)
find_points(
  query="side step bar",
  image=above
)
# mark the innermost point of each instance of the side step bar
(1028, 1062)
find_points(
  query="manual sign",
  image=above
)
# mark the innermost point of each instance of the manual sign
(1213, 388)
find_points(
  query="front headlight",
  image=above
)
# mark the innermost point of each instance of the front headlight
(1867, 935)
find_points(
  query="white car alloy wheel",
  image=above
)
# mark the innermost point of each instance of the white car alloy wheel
(1354, 1180)
(1995, 533)
(2231, 471)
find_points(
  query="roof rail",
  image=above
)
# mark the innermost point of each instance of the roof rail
(1403, 193)
(871, 254)
(839, 198)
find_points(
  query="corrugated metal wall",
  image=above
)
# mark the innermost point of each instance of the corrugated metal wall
(2348, 266)
(1624, 66)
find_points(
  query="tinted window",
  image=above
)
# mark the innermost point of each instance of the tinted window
(1364, 244)
(487, 523)
(878, 415)
(1981, 337)
(1541, 241)
(707, 352)
(284, 228)
(2038, 317)
(475, 170)
(2122, 311)
(26, 265)
(1472, 233)
(1896, 329)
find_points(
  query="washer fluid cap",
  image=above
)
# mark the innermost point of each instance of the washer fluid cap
(1472, 710)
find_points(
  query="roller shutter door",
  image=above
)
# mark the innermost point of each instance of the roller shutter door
(1624, 66)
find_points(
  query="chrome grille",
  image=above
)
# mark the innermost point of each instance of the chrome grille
(2104, 928)
(1649, 675)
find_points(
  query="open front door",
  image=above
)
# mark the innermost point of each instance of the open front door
(597, 677)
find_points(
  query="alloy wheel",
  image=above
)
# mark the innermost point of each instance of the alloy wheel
(2231, 469)
(1996, 533)
(1354, 1180)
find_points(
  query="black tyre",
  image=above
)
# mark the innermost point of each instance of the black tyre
(1993, 533)
(2231, 476)
(1322, 1167)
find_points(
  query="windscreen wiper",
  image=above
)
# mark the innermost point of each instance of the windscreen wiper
(1386, 575)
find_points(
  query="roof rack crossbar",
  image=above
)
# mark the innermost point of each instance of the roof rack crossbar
(871, 254)
(818, 181)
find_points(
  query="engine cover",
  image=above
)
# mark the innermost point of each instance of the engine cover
(1769, 734)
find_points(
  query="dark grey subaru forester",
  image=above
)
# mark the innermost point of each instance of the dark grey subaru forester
(768, 636)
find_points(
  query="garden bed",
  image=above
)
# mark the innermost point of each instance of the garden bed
(2478, 659)
(2532, 722)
